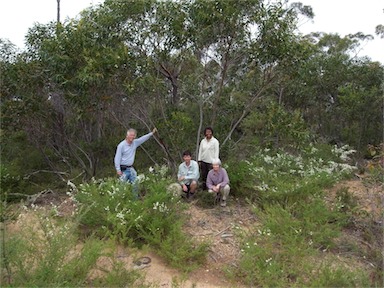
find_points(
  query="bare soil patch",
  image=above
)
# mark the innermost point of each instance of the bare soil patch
(370, 197)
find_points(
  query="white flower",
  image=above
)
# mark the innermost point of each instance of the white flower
(162, 207)
(73, 186)
(140, 178)
(120, 215)
(268, 159)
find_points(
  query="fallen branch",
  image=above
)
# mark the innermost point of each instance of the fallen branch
(27, 176)
(32, 199)
(202, 234)
(223, 230)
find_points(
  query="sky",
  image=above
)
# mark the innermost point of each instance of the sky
(348, 17)
(331, 16)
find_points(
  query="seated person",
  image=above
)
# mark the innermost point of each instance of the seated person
(218, 182)
(188, 174)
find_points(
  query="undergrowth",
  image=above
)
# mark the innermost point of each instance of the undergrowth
(291, 245)
(297, 229)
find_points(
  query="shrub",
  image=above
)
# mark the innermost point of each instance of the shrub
(339, 277)
(155, 220)
(279, 177)
(47, 253)
(295, 222)
(12, 187)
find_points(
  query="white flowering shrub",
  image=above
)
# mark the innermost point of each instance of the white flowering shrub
(294, 222)
(282, 177)
(45, 252)
(108, 208)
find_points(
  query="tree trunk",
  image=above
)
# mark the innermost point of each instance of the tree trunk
(58, 12)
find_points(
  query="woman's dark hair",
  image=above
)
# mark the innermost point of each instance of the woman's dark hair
(208, 128)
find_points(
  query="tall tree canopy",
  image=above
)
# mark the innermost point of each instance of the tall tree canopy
(239, 66)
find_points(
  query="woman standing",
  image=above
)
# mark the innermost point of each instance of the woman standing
(208, 150)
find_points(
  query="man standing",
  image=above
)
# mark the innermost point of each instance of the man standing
(208, 150)
(188, 174)
(125, 156)
(218, 182)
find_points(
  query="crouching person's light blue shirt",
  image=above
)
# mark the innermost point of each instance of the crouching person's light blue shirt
(190, 172)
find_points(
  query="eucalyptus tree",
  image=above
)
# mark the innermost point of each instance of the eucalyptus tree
(174, 64)
(76, 68)
(256, 40)
(205, 60)
(25, 116)
(321, 84)
(358, 113)
(379, 30)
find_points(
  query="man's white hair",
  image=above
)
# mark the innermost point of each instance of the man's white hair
(216, 161)
(131, 130)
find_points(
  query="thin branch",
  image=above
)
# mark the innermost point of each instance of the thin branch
(27, 176)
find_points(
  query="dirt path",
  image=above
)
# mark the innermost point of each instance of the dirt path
(217, 226)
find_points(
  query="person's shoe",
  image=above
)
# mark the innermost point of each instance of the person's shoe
(184, 195)
(217, 198)
(223, 203)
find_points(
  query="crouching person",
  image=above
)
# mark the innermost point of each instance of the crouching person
(188, 175)
(218, 182)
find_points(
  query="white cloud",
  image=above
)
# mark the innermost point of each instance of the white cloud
(332, 16)
(349, 17)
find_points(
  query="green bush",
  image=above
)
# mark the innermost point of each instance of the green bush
(278, 177)
(111, 210)
(12, 186)
(308, 224)
(295, 222)
(339, 277)
(242, 186)
(277, 126)
(47, 253)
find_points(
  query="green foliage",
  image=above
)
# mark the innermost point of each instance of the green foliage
(309, 224)
(9, 183)
(47, 253)
(295, 222)
(181, 129)
(239, 67)
(24, 170)
(283, 178)
(339, 277)
(156, 219)
(241, 184)
(236, 65)
(360, 107)
(280, 250)
(277, 127)
(287, 246)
